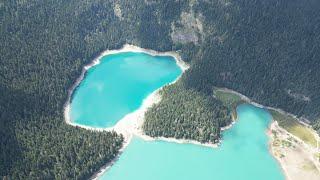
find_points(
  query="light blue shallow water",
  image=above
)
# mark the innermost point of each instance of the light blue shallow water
(243, 155)
(118, 85)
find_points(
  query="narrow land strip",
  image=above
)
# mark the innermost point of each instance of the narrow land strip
(297, 158)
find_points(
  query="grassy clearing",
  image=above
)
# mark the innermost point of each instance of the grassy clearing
(294, 127)
(309, 166)
(229, 99)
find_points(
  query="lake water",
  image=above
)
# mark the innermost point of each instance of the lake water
(118, 85)
(243, 155)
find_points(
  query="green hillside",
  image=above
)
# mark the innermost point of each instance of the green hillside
(266, 50)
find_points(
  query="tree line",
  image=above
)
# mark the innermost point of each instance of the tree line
(267, 50)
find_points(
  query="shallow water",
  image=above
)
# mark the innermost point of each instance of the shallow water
(243, 155)
(118, 85)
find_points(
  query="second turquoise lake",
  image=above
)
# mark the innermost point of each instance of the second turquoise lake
(243, 155)
(119, 84)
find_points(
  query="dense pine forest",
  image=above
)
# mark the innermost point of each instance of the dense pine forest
(186, 114)
(267, 50)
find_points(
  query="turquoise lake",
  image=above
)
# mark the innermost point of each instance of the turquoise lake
(118, 86)
(243, 155)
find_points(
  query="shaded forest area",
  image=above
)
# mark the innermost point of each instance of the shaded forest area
(266, 50)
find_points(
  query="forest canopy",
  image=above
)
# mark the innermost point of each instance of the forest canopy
(266, 50)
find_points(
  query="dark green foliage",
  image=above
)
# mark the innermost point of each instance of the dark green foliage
(316, 126)
(186, 114)
(35, 145)
(265, 49)
(44, 45)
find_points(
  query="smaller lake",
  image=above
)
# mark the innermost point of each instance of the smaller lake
(243, 155)
(118, 85)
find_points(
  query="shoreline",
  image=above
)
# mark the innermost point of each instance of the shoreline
(126, 48)
(295, 157)
(271, 149)
(247, 99)
(107, 166)
(306, 150)
(147, 101)
(130, 125)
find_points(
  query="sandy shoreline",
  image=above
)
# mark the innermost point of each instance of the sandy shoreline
(149, 101)
(131, 124)
(295, 157)
(97, 60)
(288, 157)
(271, 148)
(186, 141)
